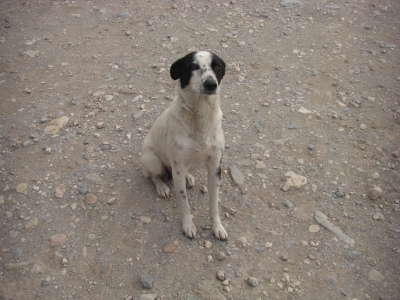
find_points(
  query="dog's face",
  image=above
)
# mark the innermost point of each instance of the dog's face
(201, 71)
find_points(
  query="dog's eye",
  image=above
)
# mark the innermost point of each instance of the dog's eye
(195, 67)
(217, 68)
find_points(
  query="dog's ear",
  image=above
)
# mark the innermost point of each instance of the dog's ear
(176, 69)
(221, 64)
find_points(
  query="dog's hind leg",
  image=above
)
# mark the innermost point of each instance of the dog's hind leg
(154, 167)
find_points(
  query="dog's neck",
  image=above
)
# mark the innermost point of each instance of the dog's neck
(199, 111)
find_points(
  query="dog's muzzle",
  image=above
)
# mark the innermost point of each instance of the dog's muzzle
(210, 86)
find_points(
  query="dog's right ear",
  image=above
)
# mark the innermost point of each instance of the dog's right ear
(176, 69)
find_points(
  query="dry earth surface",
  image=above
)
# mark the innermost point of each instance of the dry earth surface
(311, 89)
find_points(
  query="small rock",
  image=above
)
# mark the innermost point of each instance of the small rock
(225, 282)
(36, 269)
(21, 187)
(292, 126)
(253, 281)
(378, 216)
(58, 240)
(100, 125)
(363, 126)
(237, 175)
(221, 256)
(288, 204)
(124, 15)
(112, 201)
(374, 275)
(314, 228)
(93, 177)
(60, 190)
(339, 193)
(332, 281)
(221, 275)
(147, 281)
(242, 241)
(208, 244)
(169, 248)
(204, 189)
(31, 224)
(145, 219)
(293, 180)
(375, 175)
(47, 150)
(353, 254)
(284, 257)
(55, 125)
(375, 193)
(90, 198)
(291, 3)
(147, 297)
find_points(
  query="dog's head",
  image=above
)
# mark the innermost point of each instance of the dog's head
(202, 71)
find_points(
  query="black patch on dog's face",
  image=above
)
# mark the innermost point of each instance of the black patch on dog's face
(183, 68)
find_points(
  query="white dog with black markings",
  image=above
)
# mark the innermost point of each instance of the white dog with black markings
(188, 135)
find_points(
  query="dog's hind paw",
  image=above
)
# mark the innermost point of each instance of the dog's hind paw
(219, 232)
(163, 190)
(189, 180)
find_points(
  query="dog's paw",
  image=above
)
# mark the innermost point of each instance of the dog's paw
(219, 232)
(189, 230)
(189, 180)
(163, 190)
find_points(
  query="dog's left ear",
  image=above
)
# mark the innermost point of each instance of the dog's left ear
(175, 70)
(221, 64)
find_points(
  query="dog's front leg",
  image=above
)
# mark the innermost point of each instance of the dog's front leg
(179, 177)
(214, 178)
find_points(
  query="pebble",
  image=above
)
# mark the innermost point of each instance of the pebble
(291, 3)
(339, 193)
(147, 281)
(147, 297)
(60, 190)
(237, 175)
(253, 281)
(332, 281)
(375, 193)
(36, 269)
(284, 257)
(242, 241)
(260, 249)
(221, 275)
(100, 125)
(288, 204)
(21, 187)
(363, 126)
(314, 228)
(374, 275)
(124, 15)
(221, 256)
(58, 240)
(31, 224)
(112, 201)
(353, 254)
(292, 126)
(169, 248)
(56, 125)
(208, 244)
(145, 219)
(375, 175)
(90, 198)
(378, 216)
(93, 177)
(47, 150)
(204, 189)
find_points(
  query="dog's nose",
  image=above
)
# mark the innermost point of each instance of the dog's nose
(210, 85)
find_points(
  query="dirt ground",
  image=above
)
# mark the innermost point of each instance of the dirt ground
(311, 89)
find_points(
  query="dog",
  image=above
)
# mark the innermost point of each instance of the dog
(188, 135)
